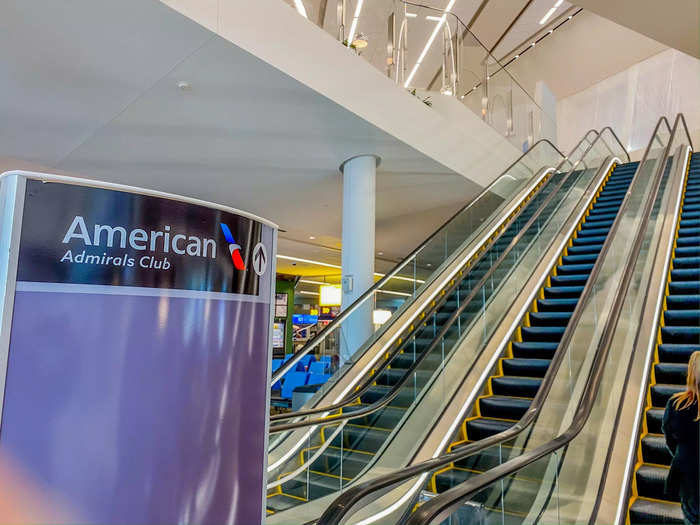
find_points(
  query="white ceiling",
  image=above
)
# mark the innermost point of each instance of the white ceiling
(569, 60)
(90, 87)
(675, 23)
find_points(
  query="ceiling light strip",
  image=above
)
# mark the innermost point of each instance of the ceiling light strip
(429, 43)
(300, 8)
(355, 18)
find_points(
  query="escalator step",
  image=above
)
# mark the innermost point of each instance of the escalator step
(580, 259)
(574, 269)
(587, 248)
(387, 417)
(689, 241)
(686, 262)
(688, 251)
(534, 350)
(515, 386)
(676, 353)
(549, 334)
(601, 216)
(599, 223)
(280, 502)
(681, 334)
(487, 458)
(525, 367)
(316, 485)
(592, 232)
(364, 439)
(330, 461)
(660, 394)
(503, 407)
(683, 302)
(562, 292)
(481, 428)
(655, 418)
(589, 241)
(651, 480)
(569, 280)
(550, 305)
(684, 287)
(682, 317)
(549, 318)
(654, 450)
(670, 373)
(655, 512)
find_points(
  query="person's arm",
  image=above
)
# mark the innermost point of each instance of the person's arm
(667, 427)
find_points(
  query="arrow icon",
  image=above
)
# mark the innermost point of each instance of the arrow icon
(259, 258)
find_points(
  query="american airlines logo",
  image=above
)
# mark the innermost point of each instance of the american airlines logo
(233, 247)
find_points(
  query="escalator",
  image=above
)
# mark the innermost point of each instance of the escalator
(353, 448)
(572, 466)
(678, 337)
(519, 372)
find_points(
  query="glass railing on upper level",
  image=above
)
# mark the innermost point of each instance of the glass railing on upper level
(432, 54)
(410, 277)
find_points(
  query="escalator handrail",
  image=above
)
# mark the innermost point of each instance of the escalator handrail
(444, 504)
(346, 501)
(321, 336)
(381, 403)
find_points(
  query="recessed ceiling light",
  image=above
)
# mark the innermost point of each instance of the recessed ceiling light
(380, 253)
(570, 18)
(517, 56)
(311, 237)
(411, 15)
(551, 31)
(533, 44)
(183, 85)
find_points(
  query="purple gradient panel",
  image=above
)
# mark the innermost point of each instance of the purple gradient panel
(145, 410)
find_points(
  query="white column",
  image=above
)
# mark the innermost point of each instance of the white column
(359, 191)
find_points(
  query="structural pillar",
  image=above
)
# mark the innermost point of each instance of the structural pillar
(359, 191)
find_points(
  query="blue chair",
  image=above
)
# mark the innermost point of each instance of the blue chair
(317, 379)
(319, 367)
(276, 364)
(307, 360)
(287, 357)
(291, 381)
(325, 359)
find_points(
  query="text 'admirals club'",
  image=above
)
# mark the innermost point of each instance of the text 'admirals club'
(137, 239)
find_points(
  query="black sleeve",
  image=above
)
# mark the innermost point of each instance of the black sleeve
(667, 427)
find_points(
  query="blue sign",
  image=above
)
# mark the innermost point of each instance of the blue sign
(304, 319)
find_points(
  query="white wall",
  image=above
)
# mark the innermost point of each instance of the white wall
(632, 101)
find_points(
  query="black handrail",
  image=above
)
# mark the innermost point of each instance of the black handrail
(286, 367)
(344, 503)
(443, 505)
(381, 403)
